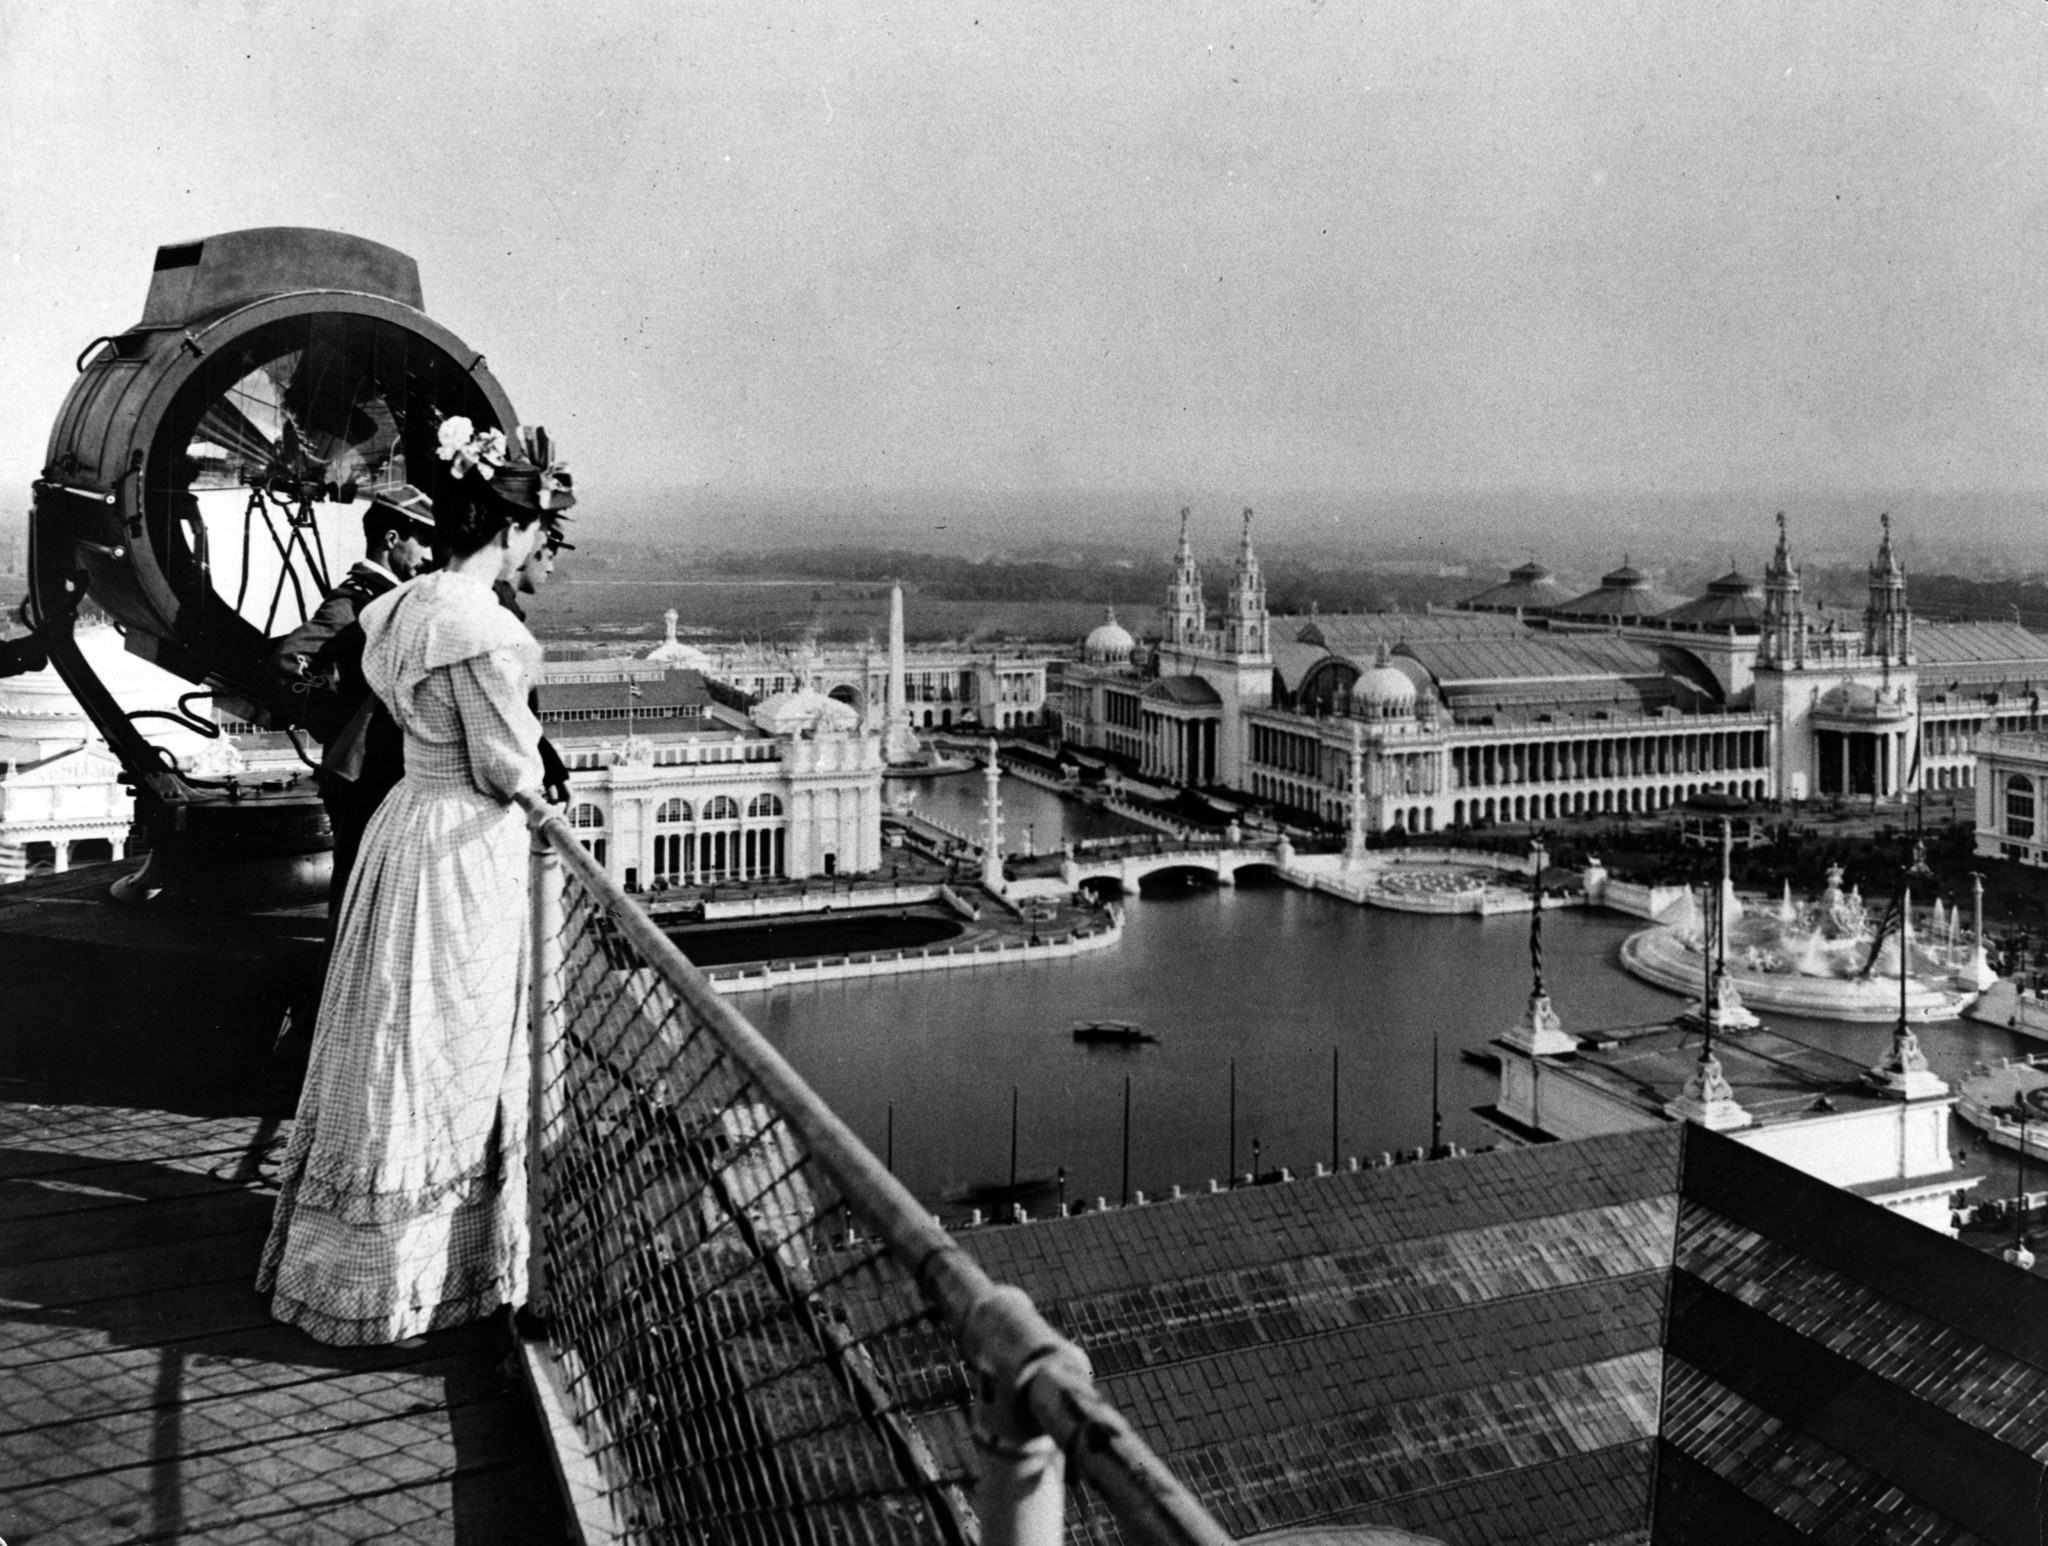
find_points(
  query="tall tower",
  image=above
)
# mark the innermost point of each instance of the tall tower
(1887, 625)
(899, 741)
(1246, 630)
(992, 822)
(1187, 617)
(1783, 644)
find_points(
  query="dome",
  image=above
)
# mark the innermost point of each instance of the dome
(1110, 644)
(1861, 701)
(803, 712)
(1383, 692)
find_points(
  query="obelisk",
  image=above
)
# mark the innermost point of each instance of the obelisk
(899, 741)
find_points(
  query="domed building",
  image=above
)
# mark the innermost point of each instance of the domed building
(1620, 700)
(671, 785)
(1383, 693)
(1110, 644)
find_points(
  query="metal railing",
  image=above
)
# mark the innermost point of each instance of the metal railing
(750, 1330)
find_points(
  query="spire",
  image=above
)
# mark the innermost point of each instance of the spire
(1784, 628)
(1245, 625)
(1187, 617)
(1781, 567)
(1887, 626)
(1887, 561)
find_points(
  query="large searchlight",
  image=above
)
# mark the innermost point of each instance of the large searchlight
(204, 483)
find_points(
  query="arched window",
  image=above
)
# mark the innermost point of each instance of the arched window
(2019, 806)
(765, 805)
(672, 811)
(586, 817)
(723, 808)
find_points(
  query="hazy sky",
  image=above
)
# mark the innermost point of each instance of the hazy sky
(1387, 246)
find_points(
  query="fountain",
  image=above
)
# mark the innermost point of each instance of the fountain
(1826, 961)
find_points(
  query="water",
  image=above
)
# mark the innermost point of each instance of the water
(1273, 978)
(1033, 817)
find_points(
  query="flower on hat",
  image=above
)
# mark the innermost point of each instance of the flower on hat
(462, 448)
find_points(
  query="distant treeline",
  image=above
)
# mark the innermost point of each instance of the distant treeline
(1945, 597)
(1292, 587)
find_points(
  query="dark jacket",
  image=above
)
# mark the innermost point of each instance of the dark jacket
(321, 660)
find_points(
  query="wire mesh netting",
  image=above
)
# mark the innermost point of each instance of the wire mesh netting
(742, 1363)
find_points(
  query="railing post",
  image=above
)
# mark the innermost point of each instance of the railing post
(1020, 1498)
(544, 1035)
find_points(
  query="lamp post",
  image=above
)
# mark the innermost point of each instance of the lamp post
(2018, 1254)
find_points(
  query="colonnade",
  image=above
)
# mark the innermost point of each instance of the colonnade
(1183, 750)
(1579, 759)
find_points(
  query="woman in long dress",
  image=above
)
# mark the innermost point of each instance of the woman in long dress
(402, 1206)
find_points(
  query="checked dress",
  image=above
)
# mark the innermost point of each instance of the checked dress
(402, 1206)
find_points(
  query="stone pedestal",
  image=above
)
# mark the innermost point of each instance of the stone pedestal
(1975, 975)
(1904, 1072)
(1540, 1032)
(1708, 1099)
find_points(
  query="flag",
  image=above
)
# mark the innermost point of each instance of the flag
(633, 690)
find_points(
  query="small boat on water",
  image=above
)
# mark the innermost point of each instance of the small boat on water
(1111, 1033)
(1992, 1100)
(999, 1196)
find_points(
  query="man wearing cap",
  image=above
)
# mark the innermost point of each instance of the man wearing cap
(321, 660)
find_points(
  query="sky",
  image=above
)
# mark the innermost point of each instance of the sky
(1385, 247)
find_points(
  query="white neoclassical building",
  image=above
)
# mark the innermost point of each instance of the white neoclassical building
(2012, 796)
(671, 787)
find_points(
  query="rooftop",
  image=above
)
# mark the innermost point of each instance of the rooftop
(1661, 1335)
(1530, 587)
(1776, 1078)
(1945, 644)
(148, 1394)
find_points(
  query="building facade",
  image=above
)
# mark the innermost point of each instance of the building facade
(945, 687)
(670, 787)
(1531, 705)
